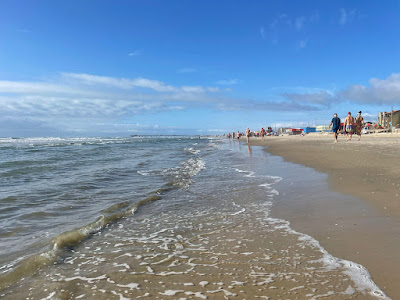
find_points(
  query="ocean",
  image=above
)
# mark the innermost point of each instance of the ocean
(158, 218)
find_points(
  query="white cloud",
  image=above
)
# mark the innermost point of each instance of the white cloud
(316, 98)
(286, 105)
(125, 83)
(228, 81)
(152, 84)
(192, 89)
(379, 91)
(50, 107)
(262, 32)
(136, 53)
(347, 16)
(369, 117)
(343, 16)
(38, 87)
(284, 23)
(299, 22)
(216, 130)
(282, 19)
(88, 79)
(314, 18)
(81, 99)
(75, 101)
(290, 124)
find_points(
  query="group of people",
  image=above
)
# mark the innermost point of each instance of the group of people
(237, 135)
(350, 126)
(234, 135)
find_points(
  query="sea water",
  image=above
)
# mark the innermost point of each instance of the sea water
(156, 217)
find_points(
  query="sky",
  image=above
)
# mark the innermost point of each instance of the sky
(127, 67)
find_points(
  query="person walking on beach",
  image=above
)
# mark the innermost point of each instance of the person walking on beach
(233, 135)
(248, 134)
(349, 126)
(359, 124)
(262, 133)
(238, 135)
(336, 126)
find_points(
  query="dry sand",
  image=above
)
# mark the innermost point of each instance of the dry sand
(367, 231)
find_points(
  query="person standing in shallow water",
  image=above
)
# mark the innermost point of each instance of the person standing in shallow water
(349, 126)
(359, 124)
(262, 133)
(335, 123)
(248, 134)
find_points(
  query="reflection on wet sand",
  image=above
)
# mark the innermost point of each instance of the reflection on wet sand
(249, 151)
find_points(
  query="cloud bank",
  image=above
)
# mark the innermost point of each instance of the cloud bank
(77, 102)
(376, 92)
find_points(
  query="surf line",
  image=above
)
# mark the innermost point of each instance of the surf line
(238, 212)
(250, 173)
(67, 240)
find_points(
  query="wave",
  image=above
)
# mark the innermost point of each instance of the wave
(69, 141)
(65, 241)
(178, 177)
(192, 150)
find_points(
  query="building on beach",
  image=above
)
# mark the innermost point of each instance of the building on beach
(284, 130)
(290, 131)
(385, 119)
(322, 128)
(309, 129)
(296, 131)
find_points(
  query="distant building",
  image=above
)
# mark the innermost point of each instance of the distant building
(322, 128)
(384, 119)
(309, 129)
(283, 130)
(296, 131)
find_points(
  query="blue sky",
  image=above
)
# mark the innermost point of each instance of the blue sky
(114, 68)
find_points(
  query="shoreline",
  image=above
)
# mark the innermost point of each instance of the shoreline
(369, 220)
(218, 234)
(364, 169)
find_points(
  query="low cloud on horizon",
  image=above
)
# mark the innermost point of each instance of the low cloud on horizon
(74, 101)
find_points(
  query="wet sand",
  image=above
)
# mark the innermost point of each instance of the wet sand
(365, 227)
(236, 252)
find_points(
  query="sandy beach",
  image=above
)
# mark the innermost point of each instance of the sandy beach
(364, 228)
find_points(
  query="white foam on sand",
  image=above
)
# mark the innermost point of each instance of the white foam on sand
(203, 283)
(241, 209)
(130, 285)
(88, 279)
(358, 274)
(171, 292)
